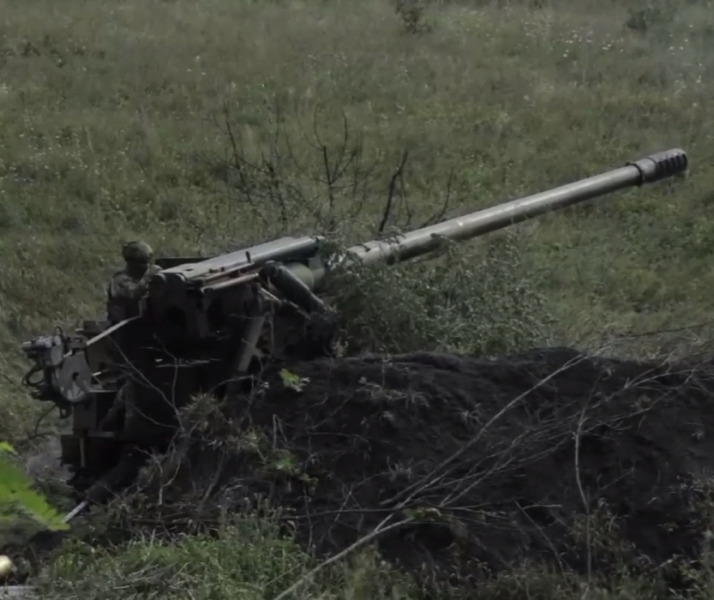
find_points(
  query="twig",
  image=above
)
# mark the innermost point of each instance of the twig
(392, 188)
(583, 496)
(432, 478)
(435, 218)
(376, 532)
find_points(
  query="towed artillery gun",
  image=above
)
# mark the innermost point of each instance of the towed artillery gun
(208, 324)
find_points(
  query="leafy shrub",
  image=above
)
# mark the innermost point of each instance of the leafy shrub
(460, 302)
(17, 495)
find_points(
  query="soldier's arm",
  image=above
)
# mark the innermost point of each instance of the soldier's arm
(123, 286)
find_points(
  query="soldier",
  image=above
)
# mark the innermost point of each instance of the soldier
(127, 287)
(124, 292)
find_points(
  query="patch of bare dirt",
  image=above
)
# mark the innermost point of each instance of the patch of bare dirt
(497, 460)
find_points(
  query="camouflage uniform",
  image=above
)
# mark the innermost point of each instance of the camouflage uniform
(124, 292)
(129, 285)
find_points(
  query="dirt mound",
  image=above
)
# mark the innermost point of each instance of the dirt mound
(497, 461)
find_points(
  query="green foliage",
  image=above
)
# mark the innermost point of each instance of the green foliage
(249, 558)
(293, 381)
(17, 494)
(475, 303)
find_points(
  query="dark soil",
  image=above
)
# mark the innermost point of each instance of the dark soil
(511, 452)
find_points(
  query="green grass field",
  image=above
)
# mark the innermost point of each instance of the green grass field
(114, 120)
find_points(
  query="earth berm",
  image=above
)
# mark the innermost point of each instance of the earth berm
(547, 457)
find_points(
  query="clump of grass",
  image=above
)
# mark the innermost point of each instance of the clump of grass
(250, 557)
(247, 558)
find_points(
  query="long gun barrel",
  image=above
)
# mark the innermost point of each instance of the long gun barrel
(294, 265)
(209, 321)
(646, 170)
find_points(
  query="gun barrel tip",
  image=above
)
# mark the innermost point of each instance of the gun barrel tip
(662, 165)
(676, 153)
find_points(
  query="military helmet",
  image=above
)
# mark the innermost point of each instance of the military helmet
(138, 252)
